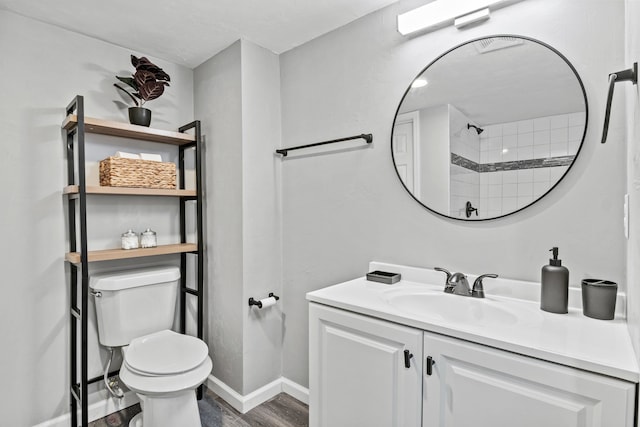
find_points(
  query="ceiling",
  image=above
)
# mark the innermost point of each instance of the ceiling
(188, 32)
(517, 82)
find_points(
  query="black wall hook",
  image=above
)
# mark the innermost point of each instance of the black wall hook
(629, 75)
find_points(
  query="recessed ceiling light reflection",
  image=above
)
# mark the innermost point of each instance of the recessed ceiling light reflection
(418, 83)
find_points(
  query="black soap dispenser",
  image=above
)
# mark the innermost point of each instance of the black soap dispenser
(555, 286)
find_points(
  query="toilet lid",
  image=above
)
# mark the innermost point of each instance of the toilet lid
(165, 353)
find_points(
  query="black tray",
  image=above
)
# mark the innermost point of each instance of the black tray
(383, 277)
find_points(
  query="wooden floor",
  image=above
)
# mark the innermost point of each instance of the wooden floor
(281, 411)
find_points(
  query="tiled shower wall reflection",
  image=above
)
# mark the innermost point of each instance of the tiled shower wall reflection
(514, 185)
(465, 186)
(507, 191)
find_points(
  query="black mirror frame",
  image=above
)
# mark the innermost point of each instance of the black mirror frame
(586, 123)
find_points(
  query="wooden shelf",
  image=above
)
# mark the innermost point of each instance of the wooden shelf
(113, 254)
(129, 191)
(76, 136)
(126, 130)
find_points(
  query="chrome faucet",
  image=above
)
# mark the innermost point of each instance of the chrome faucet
(478, 290)
(447, 287)
(458, 284)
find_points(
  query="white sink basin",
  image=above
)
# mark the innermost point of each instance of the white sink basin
(453, 308)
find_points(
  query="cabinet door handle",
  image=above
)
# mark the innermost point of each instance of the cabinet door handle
(407, 358)
(430, 363)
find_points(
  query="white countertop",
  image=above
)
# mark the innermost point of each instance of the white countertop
(601, 346)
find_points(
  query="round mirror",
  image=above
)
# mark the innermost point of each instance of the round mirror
(489, 127)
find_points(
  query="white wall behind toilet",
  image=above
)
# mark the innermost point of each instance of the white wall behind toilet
(43, 68)
(343, 209)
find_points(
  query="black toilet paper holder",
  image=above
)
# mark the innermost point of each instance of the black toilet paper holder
(253, 301)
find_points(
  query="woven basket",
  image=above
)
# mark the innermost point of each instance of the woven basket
(121, 172)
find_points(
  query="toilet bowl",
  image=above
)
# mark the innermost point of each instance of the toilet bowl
(135, 311)
(164, 368)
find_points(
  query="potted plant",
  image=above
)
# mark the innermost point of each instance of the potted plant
(148, 83)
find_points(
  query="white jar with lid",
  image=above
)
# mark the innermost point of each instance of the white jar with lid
(129, 240)
(148, 239)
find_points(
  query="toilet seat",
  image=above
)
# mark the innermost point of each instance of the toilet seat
(166, 384)
(165, 353)
(165, 362)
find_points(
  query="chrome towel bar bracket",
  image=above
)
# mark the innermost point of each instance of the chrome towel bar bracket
(630, 75)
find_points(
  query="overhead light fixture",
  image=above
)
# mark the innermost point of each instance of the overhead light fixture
(418, 83)
(472, 18)
(440, 13)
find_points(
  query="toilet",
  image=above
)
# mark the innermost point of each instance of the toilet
(135, 311)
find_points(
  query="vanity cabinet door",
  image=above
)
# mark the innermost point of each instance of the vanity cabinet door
(358, 375)
(475, 385)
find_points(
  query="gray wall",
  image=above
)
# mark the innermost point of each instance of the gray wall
(218, 104)
(262, 218)
(347, 207)
(237, 96)
(43, 68)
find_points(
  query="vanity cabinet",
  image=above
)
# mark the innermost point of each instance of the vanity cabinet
(358, 372)
(358, 378)
(475, 385)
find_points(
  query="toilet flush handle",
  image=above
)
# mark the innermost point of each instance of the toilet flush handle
(96, 294)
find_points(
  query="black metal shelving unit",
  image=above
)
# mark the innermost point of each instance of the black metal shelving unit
(76, 126)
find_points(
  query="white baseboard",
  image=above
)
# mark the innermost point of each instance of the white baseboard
(97, 410)
(244, 404)
(295, 390)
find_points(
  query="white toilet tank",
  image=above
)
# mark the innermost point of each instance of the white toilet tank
(133, 303)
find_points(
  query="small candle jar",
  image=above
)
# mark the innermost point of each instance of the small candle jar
(148, 239)
(129, 240)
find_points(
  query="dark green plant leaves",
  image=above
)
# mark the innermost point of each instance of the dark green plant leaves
(130, 81)
(127, 92)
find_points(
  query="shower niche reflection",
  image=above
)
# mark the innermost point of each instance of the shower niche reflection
(494, 123)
